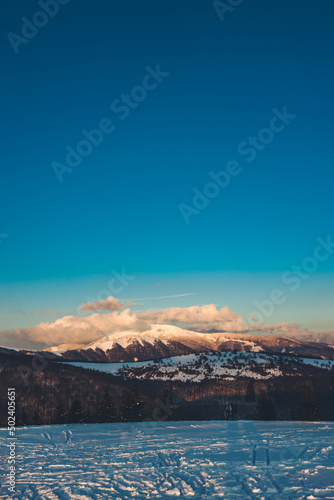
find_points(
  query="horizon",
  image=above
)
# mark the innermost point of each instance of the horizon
(106, 317)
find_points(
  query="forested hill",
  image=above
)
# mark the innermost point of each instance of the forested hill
(48, 392)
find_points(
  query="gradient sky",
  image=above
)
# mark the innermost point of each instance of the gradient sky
(120, 207)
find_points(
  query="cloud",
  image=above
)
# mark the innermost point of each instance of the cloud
(207, 319)
(108, 304)
(295, 331)
(45, 312)
(200, 317)
(254, 318)
(48, 312)
(75, 329)
(166, 296)
(308, 336)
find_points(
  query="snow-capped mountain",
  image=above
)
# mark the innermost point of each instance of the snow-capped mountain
(163, 341)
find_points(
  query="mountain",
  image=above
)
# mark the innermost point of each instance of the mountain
(203, 386)
(163, 341)
(170, 373)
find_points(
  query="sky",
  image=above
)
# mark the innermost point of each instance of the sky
(207, 175)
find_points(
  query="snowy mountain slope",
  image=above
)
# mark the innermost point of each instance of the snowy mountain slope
(168, 340)
(196, 368)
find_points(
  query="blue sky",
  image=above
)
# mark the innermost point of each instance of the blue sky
(120, 207)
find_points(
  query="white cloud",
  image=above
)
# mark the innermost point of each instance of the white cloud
(200, 316)
(207, 318)
(76, 329)
(108, 304)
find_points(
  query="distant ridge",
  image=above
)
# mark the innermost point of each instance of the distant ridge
(163, 341)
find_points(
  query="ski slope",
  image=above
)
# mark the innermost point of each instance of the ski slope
(199, 460)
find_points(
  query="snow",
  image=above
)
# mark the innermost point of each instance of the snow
(107, 344)
(200, 460)
(9, 348)
(166, 334)
(175, 368)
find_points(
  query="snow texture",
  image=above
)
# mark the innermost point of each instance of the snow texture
(162, 460)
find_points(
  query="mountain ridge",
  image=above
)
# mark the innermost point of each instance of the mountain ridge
(168, 340)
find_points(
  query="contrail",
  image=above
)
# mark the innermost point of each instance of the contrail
(164, 296)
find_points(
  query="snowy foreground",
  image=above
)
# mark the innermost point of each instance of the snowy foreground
(230, 460)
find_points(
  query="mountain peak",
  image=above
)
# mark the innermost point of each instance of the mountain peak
(162, 341)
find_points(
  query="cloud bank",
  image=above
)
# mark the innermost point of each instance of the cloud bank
(77, 329)
(205, 318)
(118, 317)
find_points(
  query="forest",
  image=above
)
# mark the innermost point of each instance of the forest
(49, 392)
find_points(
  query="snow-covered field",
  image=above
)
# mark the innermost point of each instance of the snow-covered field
(199, 460)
